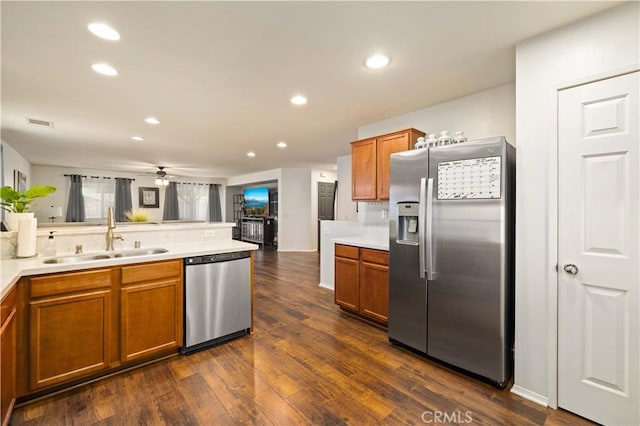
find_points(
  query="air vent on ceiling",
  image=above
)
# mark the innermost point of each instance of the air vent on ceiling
(37, 122)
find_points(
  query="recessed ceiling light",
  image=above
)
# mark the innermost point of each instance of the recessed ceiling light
(281, 144)
(377, 61)
(103, 31)
(298, 100)
(251, 154)
(137, 138)
(152, 120)
(104, 69)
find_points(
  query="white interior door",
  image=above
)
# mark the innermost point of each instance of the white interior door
(598, 255)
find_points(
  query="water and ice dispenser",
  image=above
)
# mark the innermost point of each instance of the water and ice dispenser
(408, 222)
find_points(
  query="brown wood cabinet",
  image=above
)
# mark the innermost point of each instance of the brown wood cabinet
(69, 326)
(362, 281)
(364, 170)
(150, 309)
(346, 276)
(8, 334)
(83, 324)
(370, 161)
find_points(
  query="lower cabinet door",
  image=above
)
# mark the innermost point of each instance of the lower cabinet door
(157, 304)
(8, 367)
(374, 291)
(69, 337)
(346, 283)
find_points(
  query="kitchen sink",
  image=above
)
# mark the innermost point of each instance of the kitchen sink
(88, 257)
(76, 259)
(140, 252)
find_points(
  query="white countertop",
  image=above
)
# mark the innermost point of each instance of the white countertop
(13, 269)
(372, 241)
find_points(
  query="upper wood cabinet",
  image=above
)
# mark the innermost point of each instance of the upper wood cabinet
(370, 161)
(363, 170)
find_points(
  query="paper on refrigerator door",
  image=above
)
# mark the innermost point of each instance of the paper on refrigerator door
(476, 178)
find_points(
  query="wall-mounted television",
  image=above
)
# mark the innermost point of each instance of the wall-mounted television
(256, 201)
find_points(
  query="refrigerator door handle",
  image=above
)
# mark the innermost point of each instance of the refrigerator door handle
(421, 226)
(428, 230)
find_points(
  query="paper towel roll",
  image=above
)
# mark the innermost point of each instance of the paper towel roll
(27, 237)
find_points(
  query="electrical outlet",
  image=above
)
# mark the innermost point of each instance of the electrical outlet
(209, 233)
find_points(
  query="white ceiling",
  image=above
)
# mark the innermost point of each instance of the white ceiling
(219, 75)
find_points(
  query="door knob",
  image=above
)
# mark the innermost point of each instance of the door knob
(570, 268)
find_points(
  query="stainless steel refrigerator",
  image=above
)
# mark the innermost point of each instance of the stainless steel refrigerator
(451, 255)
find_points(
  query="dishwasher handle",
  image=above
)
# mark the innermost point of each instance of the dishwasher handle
(215, 258)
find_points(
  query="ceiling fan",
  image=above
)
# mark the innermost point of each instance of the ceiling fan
(162, 178)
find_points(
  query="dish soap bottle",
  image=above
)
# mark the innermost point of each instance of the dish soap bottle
(50, 249)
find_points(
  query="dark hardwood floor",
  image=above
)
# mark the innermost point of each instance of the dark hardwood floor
(305, 363)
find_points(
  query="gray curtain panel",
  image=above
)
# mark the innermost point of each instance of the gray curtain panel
(215, 211)
(171, 203)
(75, 205)
(123, 198)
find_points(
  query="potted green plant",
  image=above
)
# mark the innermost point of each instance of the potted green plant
(17, 204)
(138, 216)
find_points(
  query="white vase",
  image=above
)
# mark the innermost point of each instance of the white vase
(13, 219)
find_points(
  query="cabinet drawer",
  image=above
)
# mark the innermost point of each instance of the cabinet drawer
(375, 256)
(349, 252)
(70, 283)
(8, 304)
(151, 271)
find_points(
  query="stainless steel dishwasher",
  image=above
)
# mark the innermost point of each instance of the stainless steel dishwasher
(217, 299)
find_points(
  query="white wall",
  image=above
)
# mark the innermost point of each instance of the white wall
(12, 160)
(297, 203)
(54, 175)
(295, 232)
(481, 115)
(598, 47)
(346, 208)
(317, 176)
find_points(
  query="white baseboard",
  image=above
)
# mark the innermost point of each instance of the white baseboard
(530, 395)
(327, 286)
(303, 251)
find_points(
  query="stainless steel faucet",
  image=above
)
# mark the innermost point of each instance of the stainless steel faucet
(111, 225)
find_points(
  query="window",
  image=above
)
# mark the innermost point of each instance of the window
(193, 201)
(99, 194)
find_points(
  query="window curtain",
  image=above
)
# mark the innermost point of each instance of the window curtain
(171, 211)
(193, 201)
(99, 194)
(123, 199)
(75, 204)
(215, 211)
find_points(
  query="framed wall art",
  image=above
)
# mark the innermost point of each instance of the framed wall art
(149, 197)
(19, 181)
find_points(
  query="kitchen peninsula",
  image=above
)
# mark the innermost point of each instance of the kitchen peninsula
(87, 315)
